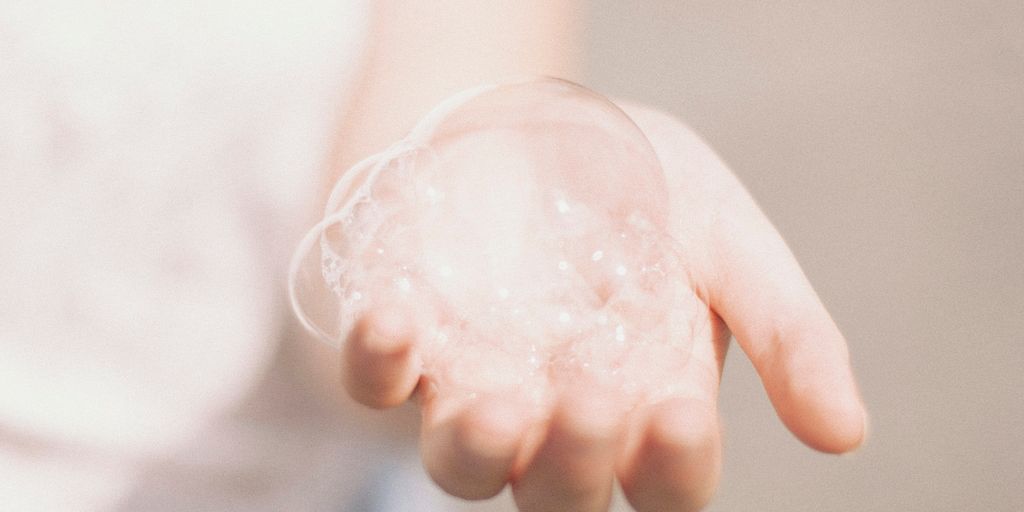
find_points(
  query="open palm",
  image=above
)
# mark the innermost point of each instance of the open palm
(666, 453)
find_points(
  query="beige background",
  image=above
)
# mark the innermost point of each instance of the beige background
(886, 141)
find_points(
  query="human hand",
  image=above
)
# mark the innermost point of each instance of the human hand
(666, 454)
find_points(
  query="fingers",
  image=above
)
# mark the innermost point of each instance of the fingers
(380, 367)
(751, 279)
(758, 288)
(677, 459)
(469, 449)
(573, 467)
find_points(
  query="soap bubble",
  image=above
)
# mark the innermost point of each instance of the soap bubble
(525, 224)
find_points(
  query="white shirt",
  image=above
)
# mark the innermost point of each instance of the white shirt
(157, 162)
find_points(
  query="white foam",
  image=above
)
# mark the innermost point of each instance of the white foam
(522, 224)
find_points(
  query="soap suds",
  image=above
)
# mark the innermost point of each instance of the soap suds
(526, 225)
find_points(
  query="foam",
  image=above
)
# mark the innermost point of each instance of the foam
(523, 227)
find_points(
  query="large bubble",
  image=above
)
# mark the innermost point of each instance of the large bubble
(524, 226)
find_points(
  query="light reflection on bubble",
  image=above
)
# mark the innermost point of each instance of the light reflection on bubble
(525, 225)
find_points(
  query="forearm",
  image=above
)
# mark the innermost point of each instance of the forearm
(421, 52)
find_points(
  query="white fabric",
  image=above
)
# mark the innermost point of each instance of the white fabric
(156, 163)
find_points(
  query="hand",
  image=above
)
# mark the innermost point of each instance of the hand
(666, 455)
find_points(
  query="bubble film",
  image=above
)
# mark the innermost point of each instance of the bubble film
(523, 227)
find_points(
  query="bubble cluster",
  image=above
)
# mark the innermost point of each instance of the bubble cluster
(524, 225)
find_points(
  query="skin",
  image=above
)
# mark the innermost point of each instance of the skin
(667, 456)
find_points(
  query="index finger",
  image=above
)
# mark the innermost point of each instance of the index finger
(747, 274)
(758, 288)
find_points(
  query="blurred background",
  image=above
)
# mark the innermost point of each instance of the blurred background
(156, 165)
(885, 140)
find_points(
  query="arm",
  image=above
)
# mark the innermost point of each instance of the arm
(667, 456)
(422, 52)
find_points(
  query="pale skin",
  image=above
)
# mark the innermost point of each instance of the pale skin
(667, 456)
